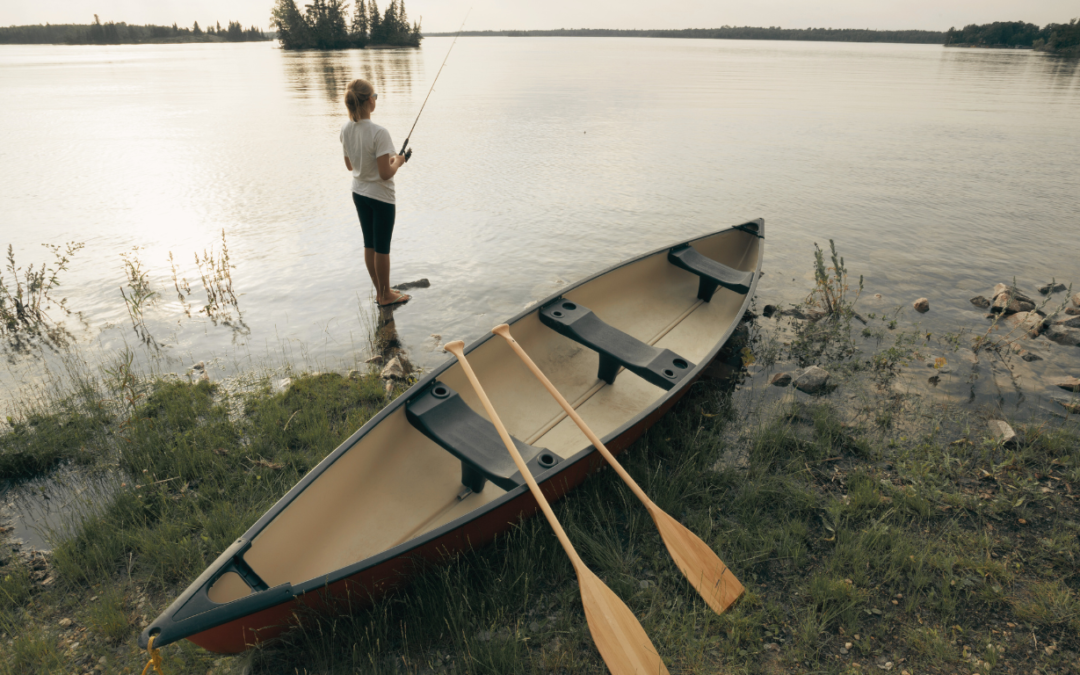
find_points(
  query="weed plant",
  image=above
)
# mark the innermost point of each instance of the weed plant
(27, 295)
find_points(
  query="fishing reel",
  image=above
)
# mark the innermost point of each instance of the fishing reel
(406, 153)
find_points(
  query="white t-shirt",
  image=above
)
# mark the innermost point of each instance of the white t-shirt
(363, 142)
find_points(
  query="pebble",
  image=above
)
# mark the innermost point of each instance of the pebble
(812, 380)
(1002, 432)
(980, 301)
(922, 305)
(780, 379)
(64, 623)
(1047, 289)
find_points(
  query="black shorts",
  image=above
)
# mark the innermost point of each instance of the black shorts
(376, 222)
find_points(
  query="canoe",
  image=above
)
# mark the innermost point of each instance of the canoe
(428, 478)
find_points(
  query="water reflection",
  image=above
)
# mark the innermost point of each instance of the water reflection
(330, 72)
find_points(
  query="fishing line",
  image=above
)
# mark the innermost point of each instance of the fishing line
(406, 144)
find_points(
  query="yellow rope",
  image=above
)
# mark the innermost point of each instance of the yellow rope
(155, 658)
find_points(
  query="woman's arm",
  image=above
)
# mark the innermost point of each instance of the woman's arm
(389, 165)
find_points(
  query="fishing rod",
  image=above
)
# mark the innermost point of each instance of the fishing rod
(409, 154)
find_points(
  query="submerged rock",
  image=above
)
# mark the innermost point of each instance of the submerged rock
(768, 311)
(1070, 337)
(812, 380)
(980, 301)
(1047, 289)
(1072, 322)
(922, 305)
(1072, 311)
(1028, 321)
(1002, 432)
(419, 283)
(1071, 407)
(1067, 383)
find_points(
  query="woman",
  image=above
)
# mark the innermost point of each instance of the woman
(370, 156)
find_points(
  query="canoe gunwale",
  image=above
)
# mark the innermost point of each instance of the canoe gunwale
(168, 630)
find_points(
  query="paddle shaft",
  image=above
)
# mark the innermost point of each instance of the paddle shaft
(406, 144)
(503, 331)
(457, 348)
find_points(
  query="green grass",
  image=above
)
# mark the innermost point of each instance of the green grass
(921, 541)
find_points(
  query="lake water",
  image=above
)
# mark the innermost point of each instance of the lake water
(939, 172)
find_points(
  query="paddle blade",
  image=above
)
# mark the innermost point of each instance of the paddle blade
(702, 567)
(617, 633)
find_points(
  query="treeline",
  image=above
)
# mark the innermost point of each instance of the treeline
(112, 33)
(1057, 38)
(734, 33)
(329, 24)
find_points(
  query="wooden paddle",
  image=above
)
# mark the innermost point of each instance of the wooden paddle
(703, 568)
(618, 635)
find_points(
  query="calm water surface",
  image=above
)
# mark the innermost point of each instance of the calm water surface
(538, 160)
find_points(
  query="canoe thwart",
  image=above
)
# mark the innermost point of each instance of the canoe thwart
(711, 274)
(440, 414)
(661, 367)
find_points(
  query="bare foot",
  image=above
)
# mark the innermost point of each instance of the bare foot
(396, 299)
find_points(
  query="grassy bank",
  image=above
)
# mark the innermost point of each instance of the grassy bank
(874, 526)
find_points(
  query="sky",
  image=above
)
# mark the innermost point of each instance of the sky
(446, 15)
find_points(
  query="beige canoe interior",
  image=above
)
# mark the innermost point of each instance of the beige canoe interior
(395, 484)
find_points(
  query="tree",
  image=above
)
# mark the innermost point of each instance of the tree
(359, 31)
(196, 30)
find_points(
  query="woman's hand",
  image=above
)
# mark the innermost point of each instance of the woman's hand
(389, 165)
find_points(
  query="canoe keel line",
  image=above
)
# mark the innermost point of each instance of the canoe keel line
(428, 477)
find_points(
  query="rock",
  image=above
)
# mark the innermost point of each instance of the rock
(1067, 383)
(282, 384)
(812, 380)
(1071, 322)
(1002, 432)
(980, 301)
(64, 623)
(395, 370)
(922, 305)
(1047, 289)
(1072, 311)
(1076, 299)
(389, 388)
(1028, 321)
(1029, 356)
(201, 365)
(780, 379)
(205, 377)
(1071, 407)
(419, 283)
(645, 584)
(877, 296)
(768, 311)
(377, 359)
(353, 374)
(1011, 302)
(1070, 337)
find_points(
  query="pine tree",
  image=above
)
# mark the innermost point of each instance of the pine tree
(196, 30)
(360, 24)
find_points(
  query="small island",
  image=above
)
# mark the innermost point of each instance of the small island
(328, 24)
(113, 33)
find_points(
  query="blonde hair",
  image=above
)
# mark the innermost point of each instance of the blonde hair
(356, 95)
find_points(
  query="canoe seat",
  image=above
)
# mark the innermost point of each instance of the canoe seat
(440, 414)
(661, 367)
(711, 274)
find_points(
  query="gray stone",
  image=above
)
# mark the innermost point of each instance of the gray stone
(377, 359)
(1067, 383)
(1012, 302)
(812, 380)
(1071, 322)
(1070, 337)
(1002, 432)
(419, 283)
(395, 370)
(922, 305)
(980, 301)
(780, 379)
(1028, 321)
(1047, 289)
